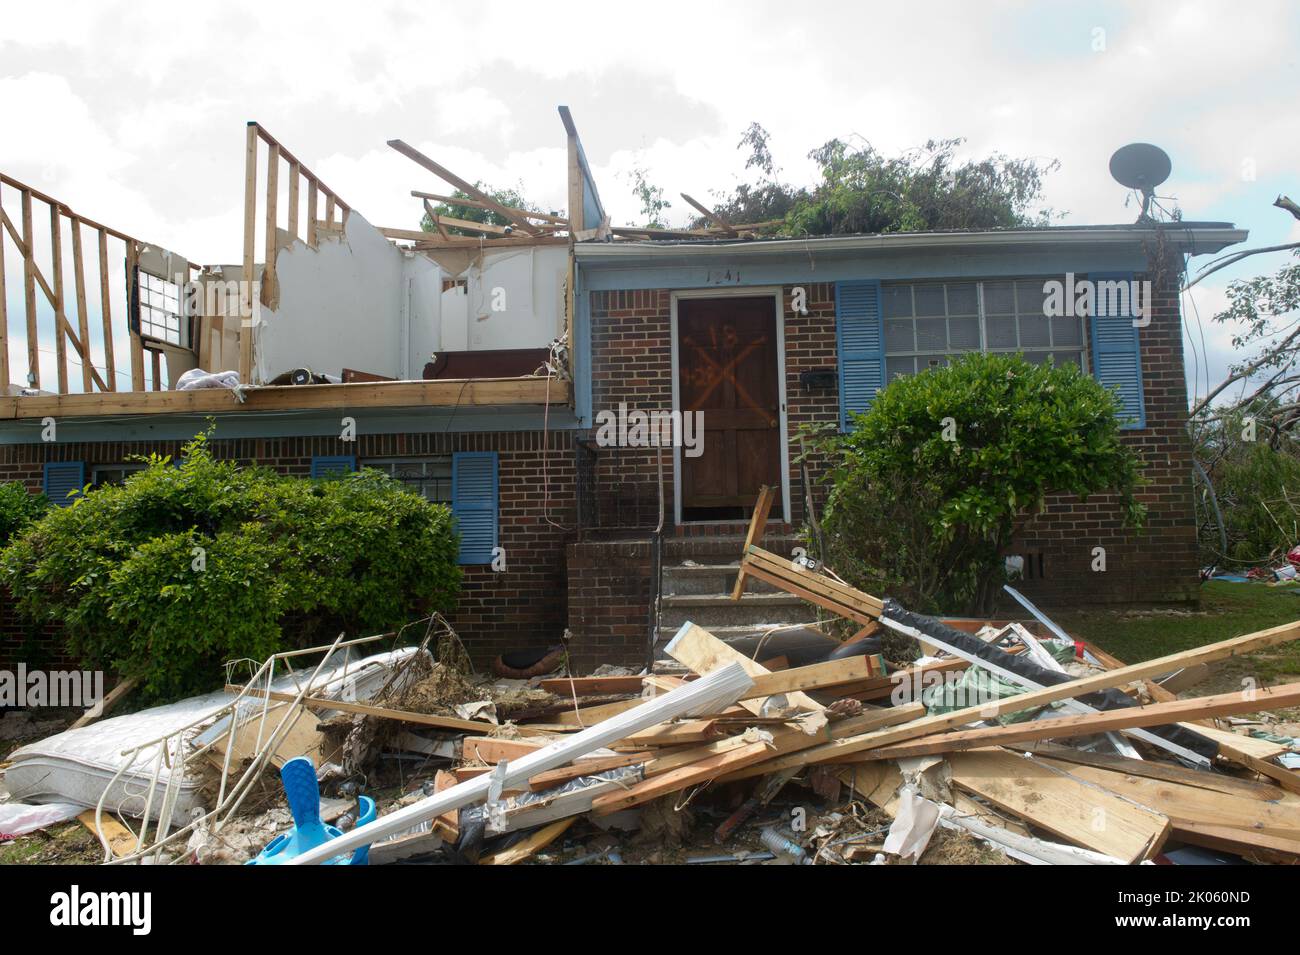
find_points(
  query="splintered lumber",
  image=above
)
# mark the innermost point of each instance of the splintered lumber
(586, 767)
(841, 730)
(719, 688)
(757, 524)
(1249, 844)
(466, 187)
(448, 824)
(816, 676)
(721, 764)
(909, 683)
(120, 840)
(529, 847)
(590, 715)
(675, 734)
(838, 598)
(1062, 804)
(1190, 803)
(113, 697)
(842, 748)
(1169, 772)
(1086, 724)
(424, 719)
(592, 685)
(703, 652)
(489, 749)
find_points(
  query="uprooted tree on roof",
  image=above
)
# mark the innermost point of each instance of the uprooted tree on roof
(185, 567)
(929, 486)
(859, 190)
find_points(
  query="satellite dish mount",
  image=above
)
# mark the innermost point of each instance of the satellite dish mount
(1141, 166)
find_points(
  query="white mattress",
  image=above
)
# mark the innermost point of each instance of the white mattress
(77, 766)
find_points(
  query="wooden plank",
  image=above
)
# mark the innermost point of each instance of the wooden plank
(590, 715)
(106, 313)
(757, 524)
(111, 699)
(1185, 803)
(250, 256)
(586, 767)
(703, 652)
(1274, 636)
(83, 318)
(466, 187)
(1251, 845)
(673, 734)
(56, 276)
(795, 586)
(4, 319)
(819, 583)
(448, 824)
(1105, 721)
(592, 685)
(815, 676)
(475, 204)
(313, 204)
(329, 211)
(121, 841)
(709, 214)
(489, 749)
(433, 217)
(294, 176)
(29, 293)
(423, 719)
(662, 785)
(383, 394)
(133, 315)
(270, 286)
(1062, 804)
(535, 843)
(1169, 772)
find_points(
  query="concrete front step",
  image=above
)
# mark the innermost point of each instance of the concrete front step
(709, 579)
(718, 610)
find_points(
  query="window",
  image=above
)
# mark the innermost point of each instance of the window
(105, 474)
(430, 477)
(926, 323)
(161, 316)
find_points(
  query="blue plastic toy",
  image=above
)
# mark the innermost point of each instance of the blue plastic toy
(308, 832)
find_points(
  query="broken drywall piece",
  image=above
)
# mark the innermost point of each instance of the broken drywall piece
(913, 826)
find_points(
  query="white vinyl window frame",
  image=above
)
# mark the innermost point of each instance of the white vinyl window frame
(976, 316)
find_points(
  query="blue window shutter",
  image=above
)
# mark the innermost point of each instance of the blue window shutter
(333, 465)
(860, 341)
(1116, 351)
(474, 504)
(62, 478)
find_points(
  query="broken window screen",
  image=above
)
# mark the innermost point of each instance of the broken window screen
(927, 323)
(429, 477)
(161, 316)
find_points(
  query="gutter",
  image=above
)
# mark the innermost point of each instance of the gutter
(1192, 240)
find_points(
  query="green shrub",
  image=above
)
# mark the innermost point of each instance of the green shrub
(18, 509)
(931, 483)
(183, 568)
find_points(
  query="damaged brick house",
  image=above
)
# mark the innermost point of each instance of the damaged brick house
(481, 371)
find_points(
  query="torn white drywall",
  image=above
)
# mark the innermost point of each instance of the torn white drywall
(339, 305)
(513, 299)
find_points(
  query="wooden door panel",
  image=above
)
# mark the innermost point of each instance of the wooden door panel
(727, 369)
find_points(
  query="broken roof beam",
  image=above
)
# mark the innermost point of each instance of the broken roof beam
(471, 190)
(710, 214)
(582, 184)
(475, 204)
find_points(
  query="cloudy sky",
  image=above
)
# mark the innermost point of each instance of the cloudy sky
(133, 112)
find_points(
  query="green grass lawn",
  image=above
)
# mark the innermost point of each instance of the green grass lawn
(1227, 610)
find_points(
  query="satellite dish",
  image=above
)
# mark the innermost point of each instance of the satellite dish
(1141, 166)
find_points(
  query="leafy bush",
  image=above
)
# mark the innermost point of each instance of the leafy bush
(932, 482)
(1257, 484)
(183, 568)
(18, 509)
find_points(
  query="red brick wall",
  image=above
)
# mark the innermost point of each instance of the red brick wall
(610, 589)
(526, 606)
(631, 352)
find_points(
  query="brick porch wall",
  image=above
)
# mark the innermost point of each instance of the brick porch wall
(526, 606)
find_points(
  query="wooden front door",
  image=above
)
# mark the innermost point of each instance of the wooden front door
(727, 369)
